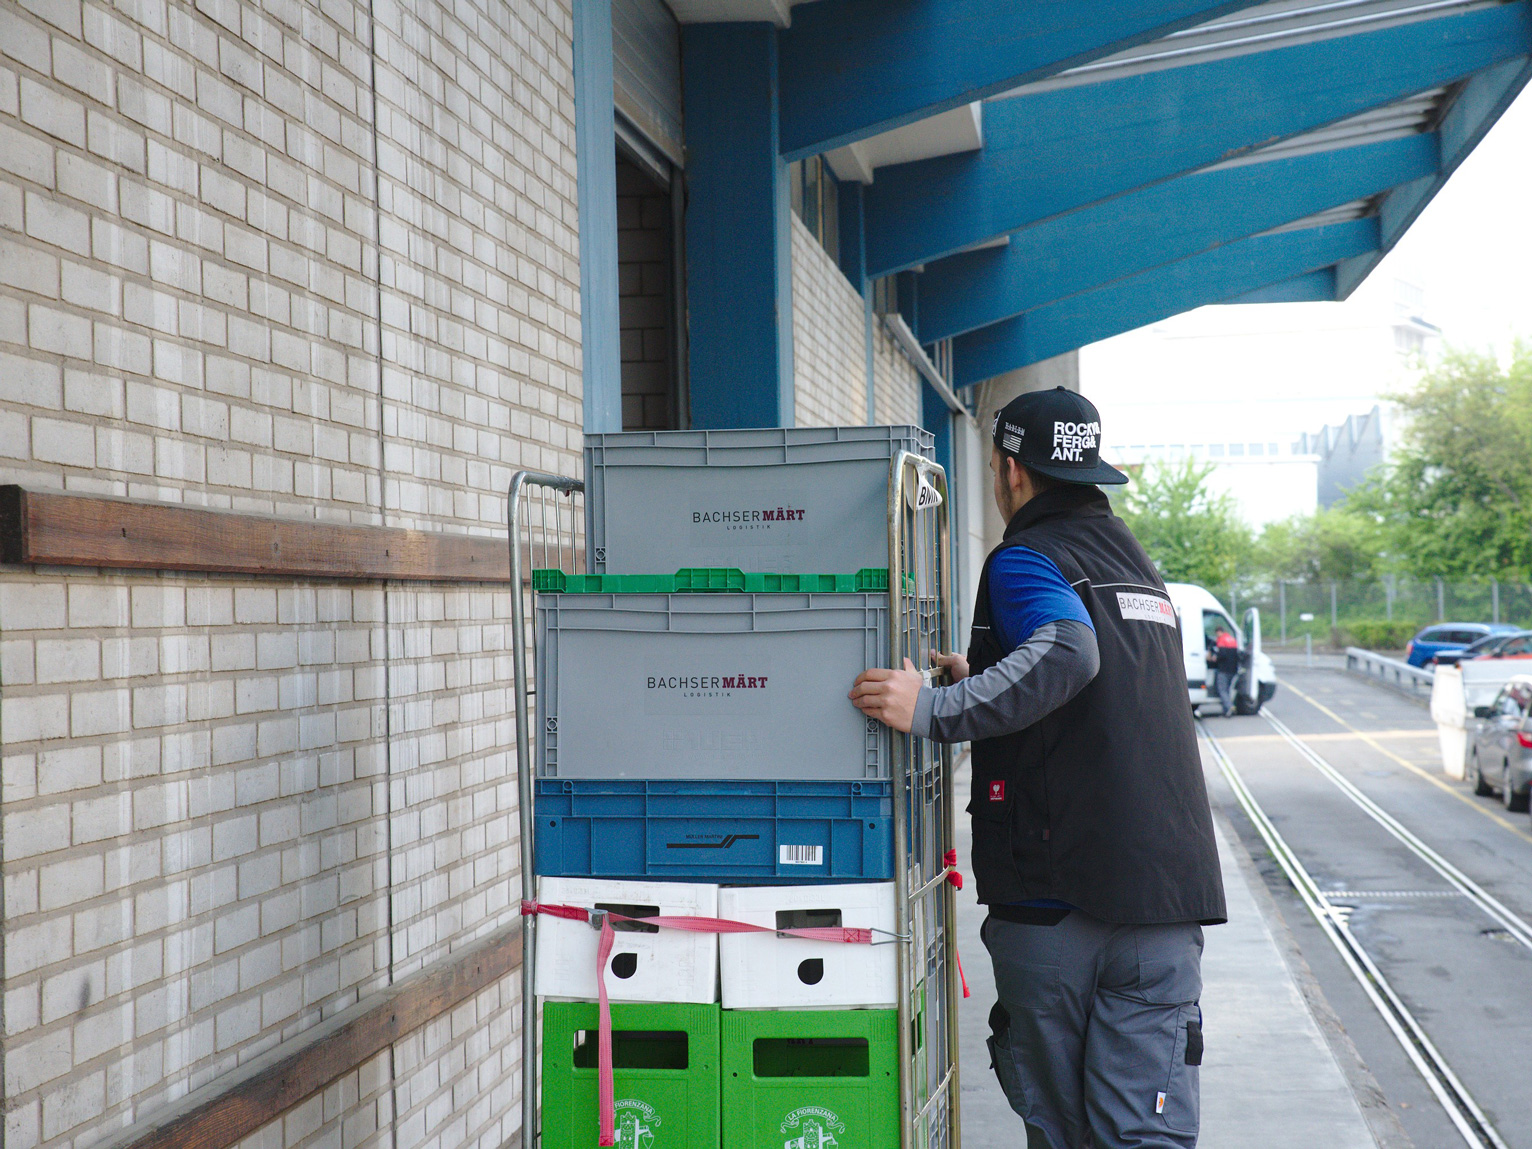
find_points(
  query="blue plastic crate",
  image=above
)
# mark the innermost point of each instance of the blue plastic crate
(718, 831)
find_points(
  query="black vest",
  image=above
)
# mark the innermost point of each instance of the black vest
(1101, 803)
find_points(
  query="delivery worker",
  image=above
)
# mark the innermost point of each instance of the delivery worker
(1225, 659)
(1093, 844)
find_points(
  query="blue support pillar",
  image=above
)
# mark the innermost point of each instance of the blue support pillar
(853, 236)
(853, 265)
(596, 173)
(936, 417)
(738, 238)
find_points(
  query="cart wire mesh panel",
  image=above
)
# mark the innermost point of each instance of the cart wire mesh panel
(920, 598)
(546, 530)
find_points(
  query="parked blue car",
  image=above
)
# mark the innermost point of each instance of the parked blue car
(1449, 636)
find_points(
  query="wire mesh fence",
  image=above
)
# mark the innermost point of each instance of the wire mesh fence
(1381, 613)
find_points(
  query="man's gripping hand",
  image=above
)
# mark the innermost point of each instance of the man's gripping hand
(954, 664)
(889, 695)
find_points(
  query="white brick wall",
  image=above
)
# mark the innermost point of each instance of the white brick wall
(245, 309)
(232, 807)
(235, 274)
(829, 339)
(896, 382)
(830, 349)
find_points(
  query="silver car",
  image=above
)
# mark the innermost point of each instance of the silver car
(1500, 750)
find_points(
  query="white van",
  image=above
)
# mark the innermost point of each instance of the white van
(1201, 615)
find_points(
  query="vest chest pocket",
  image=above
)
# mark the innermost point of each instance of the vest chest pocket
(992, 805)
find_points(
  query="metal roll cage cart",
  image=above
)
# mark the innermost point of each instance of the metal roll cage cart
(544, 518)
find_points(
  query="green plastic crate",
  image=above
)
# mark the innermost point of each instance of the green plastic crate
(665, 1075)
(804, 1079)
(701, 579)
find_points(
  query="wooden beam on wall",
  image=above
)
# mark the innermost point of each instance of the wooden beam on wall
(90, 531)
(234, 1106)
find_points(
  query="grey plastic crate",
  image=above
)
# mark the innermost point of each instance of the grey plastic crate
(773, 499)
(752, 686)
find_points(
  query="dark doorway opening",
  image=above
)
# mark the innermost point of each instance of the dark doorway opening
(652, 397)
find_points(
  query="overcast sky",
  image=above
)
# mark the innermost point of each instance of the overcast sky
(1290, 367)
(1471, 249)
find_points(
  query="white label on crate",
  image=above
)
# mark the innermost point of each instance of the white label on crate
(1146, 608)
(801, 855)
(923, 494)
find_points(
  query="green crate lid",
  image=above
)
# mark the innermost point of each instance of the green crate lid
(709, 579)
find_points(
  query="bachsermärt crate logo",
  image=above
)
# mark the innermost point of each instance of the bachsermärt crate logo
(815, 1127)
(636, 1123)
(748, 518)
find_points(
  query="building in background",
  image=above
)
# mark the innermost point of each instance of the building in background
(1242, 387)
(1346, 452)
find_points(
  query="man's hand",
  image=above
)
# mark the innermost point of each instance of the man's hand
(954, 664)
(889, 695)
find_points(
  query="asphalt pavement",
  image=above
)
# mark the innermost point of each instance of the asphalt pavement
(1297, 1054)
(1467, 982)
(1277, 1073)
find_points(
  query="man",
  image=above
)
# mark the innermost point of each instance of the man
(1225, 659)
(1092, 840)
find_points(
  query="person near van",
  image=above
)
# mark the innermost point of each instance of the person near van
(1093, 845)
(1225, 659)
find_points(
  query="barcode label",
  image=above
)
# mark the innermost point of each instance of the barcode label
(800, 855)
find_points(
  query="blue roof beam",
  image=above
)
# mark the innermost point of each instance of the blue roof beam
(1226, 272)
(1056, 151)
(854, 68)
(1156, 225)
(1311, 287)
(1473, 113)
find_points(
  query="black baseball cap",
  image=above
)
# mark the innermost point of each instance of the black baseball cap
(1055, 433)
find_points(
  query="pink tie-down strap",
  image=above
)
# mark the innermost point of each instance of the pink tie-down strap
(605, 1090)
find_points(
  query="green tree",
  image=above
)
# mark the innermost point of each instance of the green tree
(1192, 534)
(1456, 499)
(1339, 542)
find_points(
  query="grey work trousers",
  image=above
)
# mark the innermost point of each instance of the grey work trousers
(1223, 683)
(1097, 1036)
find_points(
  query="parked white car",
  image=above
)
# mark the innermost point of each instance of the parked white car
(1201, 615)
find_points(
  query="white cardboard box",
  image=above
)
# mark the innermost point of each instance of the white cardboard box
(664, 965)
(767, 971)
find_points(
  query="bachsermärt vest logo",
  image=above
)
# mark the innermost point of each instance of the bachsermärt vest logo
(636, 1123)
(815, 1127)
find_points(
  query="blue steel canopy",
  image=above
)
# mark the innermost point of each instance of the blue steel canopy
(1139, 157)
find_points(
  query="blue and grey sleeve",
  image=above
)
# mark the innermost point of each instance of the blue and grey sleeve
(1042, 674)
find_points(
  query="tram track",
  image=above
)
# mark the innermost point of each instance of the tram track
(1515, 926)
(1465, 1114)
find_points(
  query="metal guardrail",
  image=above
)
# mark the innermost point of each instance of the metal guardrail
(1386, 669)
